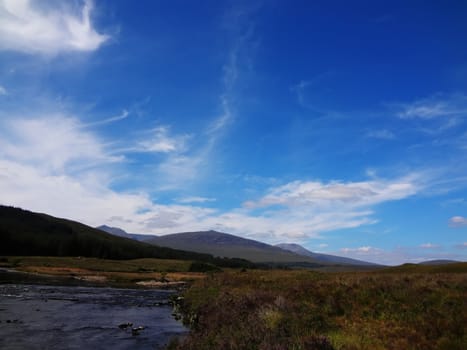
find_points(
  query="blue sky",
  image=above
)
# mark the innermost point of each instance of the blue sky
(339, 126)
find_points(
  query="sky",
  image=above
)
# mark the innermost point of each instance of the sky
(340, 126)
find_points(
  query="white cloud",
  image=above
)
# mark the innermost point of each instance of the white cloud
(398, 255)
(3, 91)
(27, 27)
(113, 119)
(196, 199)
(52, 162)
(381, 134)
(185, 166)
(299, 90)
(57, 165)
(437, 113)
(429, 246)
(85, 198)
(365, 250)
(161, 142)
(350, 194)
(457, 221)
(51, 143)
(437, 106)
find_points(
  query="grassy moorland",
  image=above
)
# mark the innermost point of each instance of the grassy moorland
(399, 308)
(125, 273)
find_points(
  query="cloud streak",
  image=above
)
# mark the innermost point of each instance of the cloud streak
(351, 194)
(54, 164)
(161, 142)
(436, 106)
(458, 221)
(52, 143)
(28, 28)
(382, 134)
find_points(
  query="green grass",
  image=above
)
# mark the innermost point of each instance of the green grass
(311, 310)
(101, 265)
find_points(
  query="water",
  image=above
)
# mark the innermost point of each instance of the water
(55, 317)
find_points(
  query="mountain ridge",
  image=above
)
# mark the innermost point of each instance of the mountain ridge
(230, 246)
(296, 248)
(26, 233)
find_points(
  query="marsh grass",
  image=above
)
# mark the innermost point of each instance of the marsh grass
(104, 271)
(310, 310)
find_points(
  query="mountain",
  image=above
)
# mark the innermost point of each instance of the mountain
(324, 258)
(24, 232)
(116, 231)
(439, 262)
(227, 245)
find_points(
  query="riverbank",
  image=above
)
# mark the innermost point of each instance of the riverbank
(80, 271)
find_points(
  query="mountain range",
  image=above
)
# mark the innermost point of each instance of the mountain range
(26, 233)
(23, 232)
(325, 258)
(231, 246)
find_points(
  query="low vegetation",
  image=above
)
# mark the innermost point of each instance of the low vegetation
(124, 273)
(387, 309)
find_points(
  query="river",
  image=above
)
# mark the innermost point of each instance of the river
(72, 317)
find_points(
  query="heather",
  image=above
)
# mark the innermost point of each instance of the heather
(388, 309)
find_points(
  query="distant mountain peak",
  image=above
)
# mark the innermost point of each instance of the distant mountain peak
(116, 231)
(332, 259)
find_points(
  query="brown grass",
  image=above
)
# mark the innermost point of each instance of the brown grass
(309, 310)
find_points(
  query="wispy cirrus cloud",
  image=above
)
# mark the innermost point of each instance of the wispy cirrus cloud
(192, 164)
(437, 113)
(58, 165)
(110, 120)
(382, 134)
(160, 141)
(365, 250)
(195, 199)
(52, 142)
(30, 27)
(3, 91)
(436, 106)
(429, 246)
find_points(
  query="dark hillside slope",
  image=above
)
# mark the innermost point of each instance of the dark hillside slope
(27, 233)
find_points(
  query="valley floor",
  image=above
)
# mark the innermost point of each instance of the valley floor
(404, 308)
(143, 273)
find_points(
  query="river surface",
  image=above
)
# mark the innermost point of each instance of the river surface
(55, 317)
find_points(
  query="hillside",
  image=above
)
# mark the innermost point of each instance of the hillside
(325, 258)
(439, 262)
(116, 231)
(227, 245)
(27, 233)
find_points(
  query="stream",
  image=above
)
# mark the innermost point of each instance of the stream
(71, 317)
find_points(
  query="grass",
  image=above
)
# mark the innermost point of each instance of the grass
(121, 272)
(388, 309)
(405, 307)
(95, 264)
